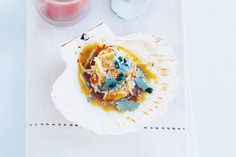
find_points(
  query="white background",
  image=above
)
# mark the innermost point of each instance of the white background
(210, 37)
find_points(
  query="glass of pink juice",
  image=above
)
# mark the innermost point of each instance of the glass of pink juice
(62, 12)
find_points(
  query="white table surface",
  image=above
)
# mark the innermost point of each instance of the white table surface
(210, 45)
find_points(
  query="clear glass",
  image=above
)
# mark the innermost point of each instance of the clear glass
(62, 12)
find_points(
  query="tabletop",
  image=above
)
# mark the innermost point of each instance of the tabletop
(209, 40)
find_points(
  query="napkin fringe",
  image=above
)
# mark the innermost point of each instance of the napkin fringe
(76, 125)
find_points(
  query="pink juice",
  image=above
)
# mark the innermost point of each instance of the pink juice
(62, 11)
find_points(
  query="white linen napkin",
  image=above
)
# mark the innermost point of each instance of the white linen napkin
(48, 134)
